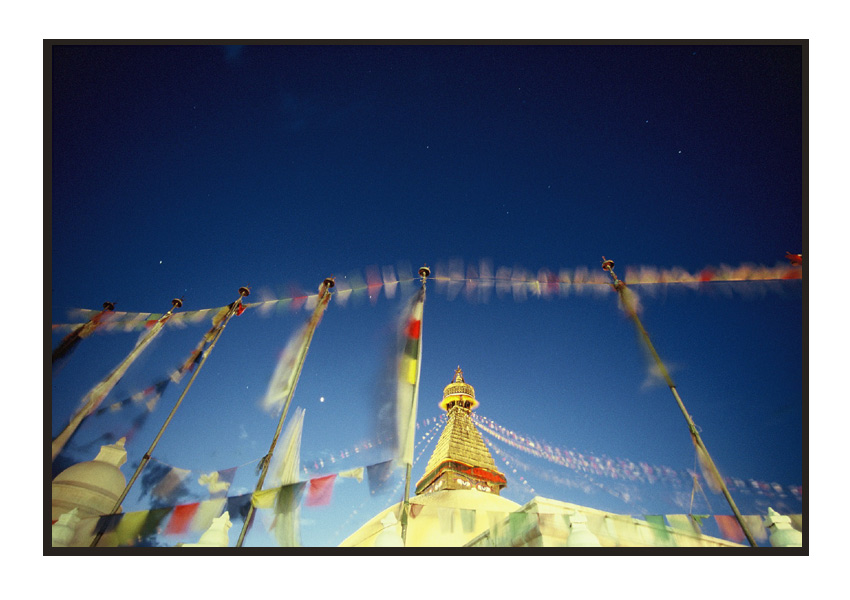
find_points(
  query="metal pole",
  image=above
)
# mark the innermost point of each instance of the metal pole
(243, 291)
(424, 272)
(324, 293)
(620, 286)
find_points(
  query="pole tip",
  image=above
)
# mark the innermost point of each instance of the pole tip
(607, 264)
(177, 303)
(424, 271)
(244, 291)
(108, 306)
(329, 282)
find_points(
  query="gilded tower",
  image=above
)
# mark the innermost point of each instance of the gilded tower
(460, 460)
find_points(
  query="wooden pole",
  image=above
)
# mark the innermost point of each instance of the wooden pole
(424, 272)
(324, 297)
(243, 291)
(620, 287)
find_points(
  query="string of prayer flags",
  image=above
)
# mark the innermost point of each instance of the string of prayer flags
(410, 339)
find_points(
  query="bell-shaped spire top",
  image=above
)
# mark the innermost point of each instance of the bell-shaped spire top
(458, 393)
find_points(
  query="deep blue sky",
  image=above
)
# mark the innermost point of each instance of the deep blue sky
(191, 171)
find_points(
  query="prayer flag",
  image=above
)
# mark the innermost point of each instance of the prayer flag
(170, 488)
(446, 518)
(659, 529)
(517, 524)
(353, 474)
(408, 373)
(207, 511)
(378, 475)
(415, 509)
(287, 522)
(127, 532)
(285, 376)
(108, 523)
(730, 528)
(756, 527)
(218, 482)
(320, 491)
(181, 518)
(264, 498)
(237, 506)
(286, 461)
(152, 523)
(682, 523)
(467, 519)
(70, 341)
(697, 521)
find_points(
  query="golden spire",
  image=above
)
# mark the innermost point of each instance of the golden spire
(460, 459)
(459, 393)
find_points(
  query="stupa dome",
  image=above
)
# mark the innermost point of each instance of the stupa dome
(93, 486)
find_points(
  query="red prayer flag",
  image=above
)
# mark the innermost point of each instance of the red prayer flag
(414, 327)
(181, 518)
(730, 528)
(320, 491)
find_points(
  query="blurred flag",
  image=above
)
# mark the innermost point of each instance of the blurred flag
(70, 341)
(237, 506)
(730, 528)
(286, 461)
(353, 474)
(410, 340)
(287, 508)
(285, 375)
(218, 482)
(755, 525)
(378, 476)
(169, 487)
(659, 529)
(181, 518)
(283, 472)
(321, 489)
(207, 511)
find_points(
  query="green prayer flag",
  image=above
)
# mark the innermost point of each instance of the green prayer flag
(659, 529)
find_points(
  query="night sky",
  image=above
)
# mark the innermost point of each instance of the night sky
(189, 171)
